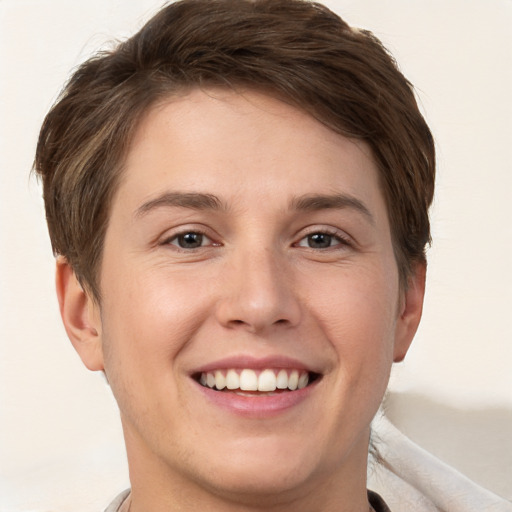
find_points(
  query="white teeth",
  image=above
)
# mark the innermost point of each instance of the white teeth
(303, 380)
(282, 380)
(210, 380)
(232, 380)
(249, 380)
(267, 381)
(293, 380)
(220, 380)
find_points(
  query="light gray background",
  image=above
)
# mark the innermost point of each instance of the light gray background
(61, 446)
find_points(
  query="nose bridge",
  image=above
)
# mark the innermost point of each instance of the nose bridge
(259, 292)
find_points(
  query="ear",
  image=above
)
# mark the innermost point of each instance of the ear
(411, 307)
(80, 315)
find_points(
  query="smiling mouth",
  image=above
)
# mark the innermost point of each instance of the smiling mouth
(251, 382)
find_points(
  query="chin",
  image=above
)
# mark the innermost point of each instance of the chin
(259, 482)
(261, 469)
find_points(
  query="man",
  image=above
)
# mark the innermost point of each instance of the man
(237, 197)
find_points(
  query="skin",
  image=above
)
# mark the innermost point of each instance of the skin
(258, 287)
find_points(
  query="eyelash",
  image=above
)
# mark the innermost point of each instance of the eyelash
(342, 240)
(174, 240)
(331, 233)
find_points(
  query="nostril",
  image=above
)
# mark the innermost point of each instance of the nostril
(237, 322)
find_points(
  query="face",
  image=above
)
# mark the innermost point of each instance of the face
(251, 307)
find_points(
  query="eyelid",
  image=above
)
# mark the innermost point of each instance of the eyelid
(343, 237)
(174, 233)
(206, 240)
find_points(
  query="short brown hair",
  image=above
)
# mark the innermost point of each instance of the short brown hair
(297, 50)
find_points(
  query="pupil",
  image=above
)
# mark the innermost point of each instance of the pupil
(190, 240)
(319, 240)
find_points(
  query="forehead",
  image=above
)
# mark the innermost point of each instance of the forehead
(224, 140)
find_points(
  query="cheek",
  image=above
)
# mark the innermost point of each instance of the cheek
(356, 309)
(149, 318)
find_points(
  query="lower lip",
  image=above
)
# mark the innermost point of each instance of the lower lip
(257, 406)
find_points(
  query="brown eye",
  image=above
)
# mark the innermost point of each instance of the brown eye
(191, 240)
(319, 240)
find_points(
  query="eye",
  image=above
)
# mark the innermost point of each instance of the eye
(190, 240)
(321, 240)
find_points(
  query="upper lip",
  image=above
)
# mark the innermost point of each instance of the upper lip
(255, 363)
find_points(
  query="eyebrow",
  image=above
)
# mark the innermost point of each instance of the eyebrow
(316, 202)
(192, 200)
(305, 203)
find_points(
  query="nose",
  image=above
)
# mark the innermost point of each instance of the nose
(258, 293)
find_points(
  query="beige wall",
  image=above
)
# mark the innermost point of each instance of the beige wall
(60, 440)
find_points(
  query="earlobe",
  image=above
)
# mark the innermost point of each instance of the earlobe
(411, 308)
(80, 315)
